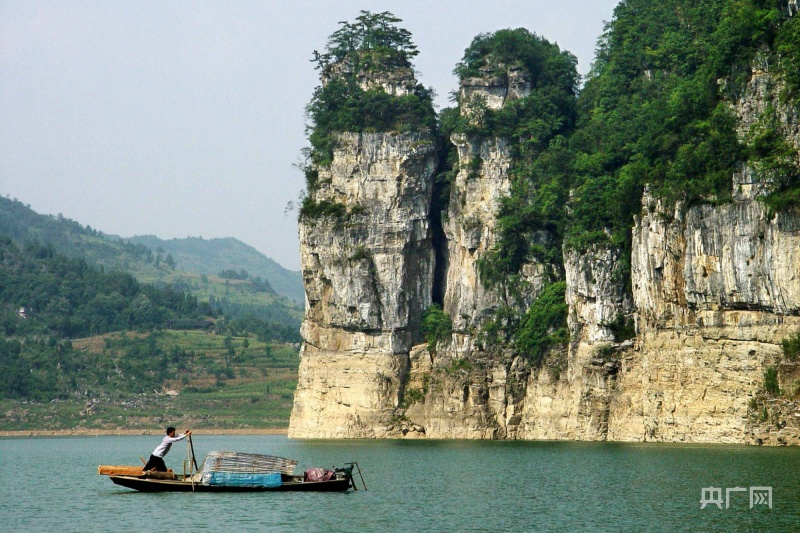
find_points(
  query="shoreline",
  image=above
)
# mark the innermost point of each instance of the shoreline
(134, 432)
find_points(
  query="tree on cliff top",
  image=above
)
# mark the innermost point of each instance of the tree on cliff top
(542, 60)
(372, 49)
(375, 37)
(548, 110)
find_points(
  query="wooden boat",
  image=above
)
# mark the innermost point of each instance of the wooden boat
(234, 472)
(145, 483)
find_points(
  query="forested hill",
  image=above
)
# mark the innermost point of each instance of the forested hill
(19, 222)
(43, 292)
(71, 330)
(212, 256)
(148, 259)
(47, 298)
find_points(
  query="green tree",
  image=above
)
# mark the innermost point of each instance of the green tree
(771, 381)
(544, 324)
(230, 351)
(377, 39)
(791, 347)
(436, 326)
(373, 46)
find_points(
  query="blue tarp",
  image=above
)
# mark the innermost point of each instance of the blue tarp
(237, 479)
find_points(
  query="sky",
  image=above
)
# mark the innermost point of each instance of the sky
(187, 118)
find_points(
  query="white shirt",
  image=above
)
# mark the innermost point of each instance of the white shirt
(166, 443)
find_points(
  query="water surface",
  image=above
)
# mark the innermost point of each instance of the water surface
(51, 484)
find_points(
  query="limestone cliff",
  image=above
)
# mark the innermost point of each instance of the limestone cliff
(470, 390)
(716, 289)
(368, 272)
(712, 290)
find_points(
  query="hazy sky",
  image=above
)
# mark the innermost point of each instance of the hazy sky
(179, 118)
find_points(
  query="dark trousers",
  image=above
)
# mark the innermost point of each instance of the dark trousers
(155, 463)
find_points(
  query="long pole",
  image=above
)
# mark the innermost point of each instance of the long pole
(191, 454)
(194, 460)
(362, 477)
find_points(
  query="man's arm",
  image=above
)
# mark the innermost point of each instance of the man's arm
(179, 437)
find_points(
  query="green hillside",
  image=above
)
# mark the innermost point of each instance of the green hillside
(85, 347)
(212, 256)
(68, 237)
(47, 299)
(133, 380)
(235, 298)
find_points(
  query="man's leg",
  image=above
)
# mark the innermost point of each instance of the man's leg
(155, 463)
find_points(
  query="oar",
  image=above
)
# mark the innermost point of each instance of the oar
(352, 481)
(362, 477)
(194, 460)
(190, 451)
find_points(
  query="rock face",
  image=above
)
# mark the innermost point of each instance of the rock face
(716, 290)
(471, 393)
(470, 226)
(496, 86)
(712, 290)
(368, 274)
(397, 81)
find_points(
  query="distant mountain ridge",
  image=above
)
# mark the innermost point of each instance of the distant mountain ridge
(212, 256)
(136, 255)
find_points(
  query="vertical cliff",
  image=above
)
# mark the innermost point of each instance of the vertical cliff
(473, 385)
(717, 290)
(673, 312)
(463, 399)
(365, 232)
(368, 273)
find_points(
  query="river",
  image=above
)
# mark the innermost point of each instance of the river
(51, 484)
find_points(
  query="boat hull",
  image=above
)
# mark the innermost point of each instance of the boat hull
(182, 485)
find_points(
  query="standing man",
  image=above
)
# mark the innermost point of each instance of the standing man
(156, 461)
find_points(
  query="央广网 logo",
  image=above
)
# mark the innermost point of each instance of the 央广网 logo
(713, 496)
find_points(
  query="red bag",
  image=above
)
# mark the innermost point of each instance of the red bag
(318, 474)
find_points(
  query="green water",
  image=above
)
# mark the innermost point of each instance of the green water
(51, 484)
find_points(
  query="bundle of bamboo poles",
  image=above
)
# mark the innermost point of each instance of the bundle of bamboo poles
(247, 463)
